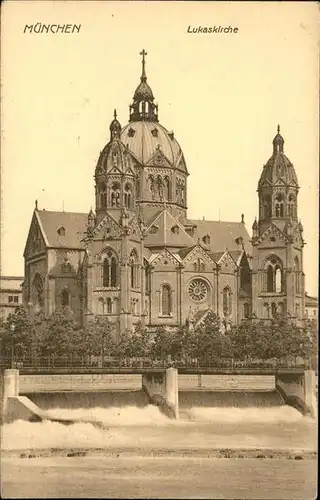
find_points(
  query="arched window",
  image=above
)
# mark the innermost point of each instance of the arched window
(110, 270)
(266, 310)
(296, 274)
(274, 276)
(278, 279)
(166, 305)
(270, 279)
(113, 272)
(206, 239)
(109, 305)
(273, 310)
(146, 278)
(133, 264)
(167, 188)
(106, 272)
(127, 196)
(227, 301)
(199, 266)
(38, 290)
(116, 305)
(279, 205)
(115, 194)
(137, 184)
(246, 310)
(65, 298)
(266, 204)
(103, 195)
(160, 186)
(291, 205)
(182, 194)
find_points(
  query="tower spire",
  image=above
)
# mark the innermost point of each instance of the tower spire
(143, 107)
(143, 53)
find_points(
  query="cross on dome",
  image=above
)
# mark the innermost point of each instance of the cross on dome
(143, 53)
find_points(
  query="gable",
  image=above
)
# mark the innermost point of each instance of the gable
(165, 230)
(272, 237)
(198, 253)
(280, 183)
(159, 159)
(227, 264)
(107, 229)
(135, 230)
(36, 241)
(164, 259)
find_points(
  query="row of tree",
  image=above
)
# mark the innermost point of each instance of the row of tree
(25, 336)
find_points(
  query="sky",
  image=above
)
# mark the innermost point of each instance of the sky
(223, 95)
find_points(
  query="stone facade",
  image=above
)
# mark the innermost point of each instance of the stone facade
(138, 257)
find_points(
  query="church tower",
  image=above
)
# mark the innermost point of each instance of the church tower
(277, 239)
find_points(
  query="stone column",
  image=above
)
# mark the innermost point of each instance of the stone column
(290, 281)
(172, 392)
(124, 278)
(10, 389)
(142, 283)
(11, 383)
(309, 391)
(255, 281)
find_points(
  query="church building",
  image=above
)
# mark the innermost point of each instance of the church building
(138, 257)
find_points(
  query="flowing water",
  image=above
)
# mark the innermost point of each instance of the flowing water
(124, 421)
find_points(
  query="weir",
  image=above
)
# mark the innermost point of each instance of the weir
(30, 397)
(298, 390)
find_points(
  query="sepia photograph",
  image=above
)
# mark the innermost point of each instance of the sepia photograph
(159, 249)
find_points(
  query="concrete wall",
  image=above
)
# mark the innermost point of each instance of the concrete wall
(84, 382)
(227, 382)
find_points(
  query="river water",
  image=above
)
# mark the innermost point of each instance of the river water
(133, 450)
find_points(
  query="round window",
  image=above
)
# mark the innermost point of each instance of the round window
(198, 290)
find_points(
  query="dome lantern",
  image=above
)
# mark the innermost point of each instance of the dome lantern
(278, 142)
(143, 108)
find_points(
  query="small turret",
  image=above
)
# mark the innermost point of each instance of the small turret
(255, 229)
(91, 219)
(115, 127)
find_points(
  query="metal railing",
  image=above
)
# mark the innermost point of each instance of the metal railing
(65, 363)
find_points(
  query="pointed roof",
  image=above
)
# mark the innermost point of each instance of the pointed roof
(166, 231)
(236, 255)
(73, 223)
(199, 316)
(278, 168)
(222, 234)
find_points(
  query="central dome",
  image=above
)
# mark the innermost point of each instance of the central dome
(144, 139)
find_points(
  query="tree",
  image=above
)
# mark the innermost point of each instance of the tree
(275, 339)
(58, 334)
(23, 333)
(161, 345)
(94, 339)
(208, 341)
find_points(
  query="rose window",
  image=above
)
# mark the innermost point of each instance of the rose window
(198, 290)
